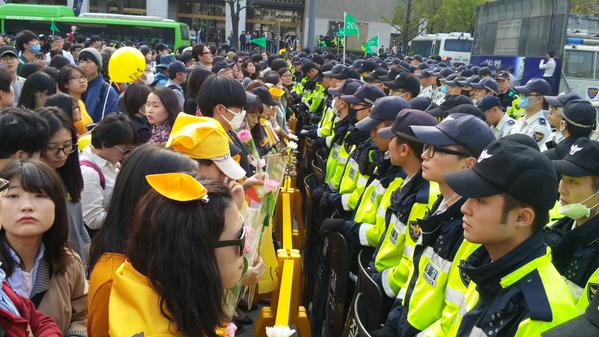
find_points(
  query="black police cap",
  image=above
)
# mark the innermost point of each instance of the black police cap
(487, 83)
(366, 94)
(450, 102)
(561, 99)
(422, 103)
(348, 88)
(337, 71)
(580, 113)
(536, 85)
(512, 168)
(465, 130)
(384, 109)
(403, 121)
(375, 74)
(488, 102)
(582, 160)
(466, 109)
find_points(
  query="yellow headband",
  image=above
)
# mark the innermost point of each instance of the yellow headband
(178, 186)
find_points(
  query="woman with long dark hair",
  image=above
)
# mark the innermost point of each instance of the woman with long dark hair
(162, 107)
(36, 89)
(134, 99)
(61, 154)
(109, 245)
(33, 247)
(186, 247)
(194, 82)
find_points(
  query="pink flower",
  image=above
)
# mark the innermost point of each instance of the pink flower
(270, 185)
(244, 135)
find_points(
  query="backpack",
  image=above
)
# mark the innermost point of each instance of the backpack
(94, 167)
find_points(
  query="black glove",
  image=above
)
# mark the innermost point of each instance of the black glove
(385, 331)
(315, 118)
(310, 132)
(332, 225)
(320, 142)
(317, 194)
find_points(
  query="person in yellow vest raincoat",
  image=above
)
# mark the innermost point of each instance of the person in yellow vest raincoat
(186, 248)
(408, 204)
(514, 288)
(574, 240)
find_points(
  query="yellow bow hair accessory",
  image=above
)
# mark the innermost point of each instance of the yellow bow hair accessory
(276, 92)
(178, 186)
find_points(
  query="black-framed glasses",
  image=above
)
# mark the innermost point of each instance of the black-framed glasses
(3, 184)
(237, 242)
(66, 150)
(431, 149)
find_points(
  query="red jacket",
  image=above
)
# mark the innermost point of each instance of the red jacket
(31, 319)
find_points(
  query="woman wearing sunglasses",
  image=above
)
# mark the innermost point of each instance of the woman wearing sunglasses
(185, 248)
(61, 154)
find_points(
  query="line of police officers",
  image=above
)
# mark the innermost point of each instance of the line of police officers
(480, 207)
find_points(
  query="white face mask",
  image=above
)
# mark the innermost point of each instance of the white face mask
(149, 78)
(578, 210)
(237, 121)
(333, 106)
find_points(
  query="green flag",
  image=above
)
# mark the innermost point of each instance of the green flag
(261, 41)
(351, 27)
(53, 27)
(372, 45)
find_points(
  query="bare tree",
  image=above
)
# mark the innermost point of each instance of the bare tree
(236, 8)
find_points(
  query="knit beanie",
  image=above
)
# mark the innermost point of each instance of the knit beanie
(92, 54)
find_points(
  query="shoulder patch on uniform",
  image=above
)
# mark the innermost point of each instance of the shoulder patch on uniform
(511, 121)
(592, 291)
(538, 136)
(415, 231)
(542, 121)
(535, 295)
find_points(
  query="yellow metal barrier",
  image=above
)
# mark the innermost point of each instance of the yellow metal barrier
(285, 309)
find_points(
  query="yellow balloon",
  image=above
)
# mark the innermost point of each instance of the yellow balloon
(127, 64)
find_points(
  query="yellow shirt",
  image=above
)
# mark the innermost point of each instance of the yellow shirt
(100, 283)
(134, 307)
(81, 125)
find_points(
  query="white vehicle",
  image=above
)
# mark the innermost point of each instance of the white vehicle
(453, 47)
(580, 66)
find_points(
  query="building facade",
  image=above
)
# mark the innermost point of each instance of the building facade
(279, 18)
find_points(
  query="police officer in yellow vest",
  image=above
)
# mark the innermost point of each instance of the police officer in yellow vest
(391, 263)
(383, 114)
(514, 288)
(574, 240)
(451, 146)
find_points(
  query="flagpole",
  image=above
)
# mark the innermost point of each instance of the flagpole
(344, 34)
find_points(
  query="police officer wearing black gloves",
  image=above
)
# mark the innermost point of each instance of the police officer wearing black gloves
(383, 114)
(574, 240)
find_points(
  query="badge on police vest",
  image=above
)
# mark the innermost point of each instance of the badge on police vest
(593, 287)
(538, 136)
(415, 231)
(431, 273)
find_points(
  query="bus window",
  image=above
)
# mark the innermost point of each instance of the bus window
(12, 27)
(423, 48)
(184, 32)
(129, 33)
(457, 45)
(579, 63)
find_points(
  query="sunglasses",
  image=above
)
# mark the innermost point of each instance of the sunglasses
(434, 149)
(237, 242)
(3, 184)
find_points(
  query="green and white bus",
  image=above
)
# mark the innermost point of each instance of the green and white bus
(111, 27)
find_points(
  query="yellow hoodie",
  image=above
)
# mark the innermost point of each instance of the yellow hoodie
(134, 307)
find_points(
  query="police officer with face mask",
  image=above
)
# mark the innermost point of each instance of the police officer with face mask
(574, 240)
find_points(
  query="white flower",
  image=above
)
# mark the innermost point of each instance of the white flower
(292, 145)
(279, 331)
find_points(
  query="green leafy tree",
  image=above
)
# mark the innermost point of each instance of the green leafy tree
(585, 7)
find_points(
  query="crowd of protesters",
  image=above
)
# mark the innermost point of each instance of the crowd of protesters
(473, 200)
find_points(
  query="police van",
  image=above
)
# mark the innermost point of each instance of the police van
(580, 65)
(452, 47)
